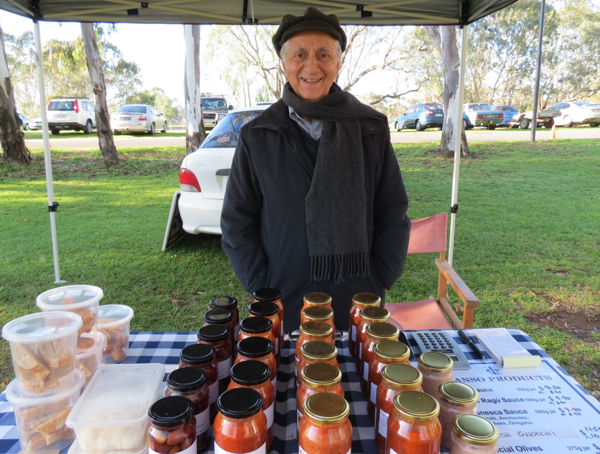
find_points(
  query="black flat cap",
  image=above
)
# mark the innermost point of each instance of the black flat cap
(313, 19)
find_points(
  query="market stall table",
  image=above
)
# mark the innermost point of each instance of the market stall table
(536, 409)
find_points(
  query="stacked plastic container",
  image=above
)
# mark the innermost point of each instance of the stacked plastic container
(113, 322)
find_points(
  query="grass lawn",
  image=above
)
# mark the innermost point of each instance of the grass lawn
(37, 135)
(526, 240)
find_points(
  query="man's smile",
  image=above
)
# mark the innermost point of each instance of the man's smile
(311, 80)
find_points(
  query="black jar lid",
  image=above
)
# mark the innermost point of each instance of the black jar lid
(170, 411)
(223, 302)
(240, 403)
(213, 333)
(267, 294)
(256, 325)
(254, 347)
(250, 373)
(263, 308)
(197, 354)
(186, 379)
(218, 316)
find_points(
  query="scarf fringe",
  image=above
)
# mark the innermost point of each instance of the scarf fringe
(340, 267)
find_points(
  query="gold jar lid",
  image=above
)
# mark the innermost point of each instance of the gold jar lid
(316, 329)
(436, 361)
(317, 299)
(458, 393)
(379, 331)
(362, 300)
(475, 429)
(318, 313)
(399, 375)
(374, 313)
(321, 375)
(391, 351)
(326, 408)
(318, 351)
(416, 406)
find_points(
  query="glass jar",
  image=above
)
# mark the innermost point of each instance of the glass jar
(172, 427)
(413, 426)
(316, 352)
(326, 428)
(312, 331)
(190, 382)
(241, 425)
(255, 375)
(394, 379)
(256, 327)
(258, 349)
(274, 296)
(456, 398)
(436, 368)
(221, 317)
(473, 434)
(375, 332)
(231, 304)
(317, 378)
(217, 336)
(384, 352)
(269, 310)
(359, 302)
(204, 357)
(317, 314)
(316, 299)
(368, 315)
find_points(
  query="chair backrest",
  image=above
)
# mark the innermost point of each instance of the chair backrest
(428, 234)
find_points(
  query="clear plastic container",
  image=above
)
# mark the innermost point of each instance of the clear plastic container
(41, 420)
(112, 412)
(90, 360)
(42, 347)
(79, 299)
(114, 321)
(76, 449)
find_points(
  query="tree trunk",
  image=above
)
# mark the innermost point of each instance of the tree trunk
(193, 103)
(11, 133)
(94, 63)
(444, 40)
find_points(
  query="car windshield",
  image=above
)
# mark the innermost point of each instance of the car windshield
(432, 106)
(227, 131)
(60, 105)
(213, 103)
(136, 109)
(475, 107)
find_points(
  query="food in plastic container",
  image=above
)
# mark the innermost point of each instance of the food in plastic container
(41, 419)
(76, 449)
(90, 360)
(112, 412)
(114, 321)
(79, 299)
(42, 346)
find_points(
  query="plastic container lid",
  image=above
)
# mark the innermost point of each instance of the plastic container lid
(255, 347)
(96, 349)
(186, 379)
(256, 325)
(76, 449)
(119, 313)
(213, 333)
(263, 308)
(223, 302)
(170, 411)
(250, 373)
(197, 354)
(240, 403)
(18, 398)
(41, 326)
(84, 296)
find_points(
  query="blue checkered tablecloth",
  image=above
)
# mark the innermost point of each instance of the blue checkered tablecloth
(164, 348)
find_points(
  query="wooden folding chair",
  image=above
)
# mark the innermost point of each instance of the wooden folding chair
(429, 235)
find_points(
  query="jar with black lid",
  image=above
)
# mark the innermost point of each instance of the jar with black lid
(256, 327)
(172, 427)
(190, 382)
(269, 310)
(203, 357)
(274, 296)
(231, 304)
(259, 349)
(217, 336)
(221, 317)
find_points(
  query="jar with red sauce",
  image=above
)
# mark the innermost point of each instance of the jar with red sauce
(258, 349)
(231, 304)
(315, 299)
(317, 314)
(413, 426)
(190, 382)
(221, 317)
(473, 434)
(359, 302)
(172, 427)
(256, 327)
(313, 331)
(255, 375)
(269, 310)
(375, 332)
(395, 378)
(241, 425)
(326, 428)
(217, 336)
(384, 352)
(368, 315)
(436, 368)
(316, 352)
(274, 296)
(455, 399)
(203, 357)
(317, 378)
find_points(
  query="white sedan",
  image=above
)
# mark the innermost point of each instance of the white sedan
(577, 113)
(204, 173)
(138, 118)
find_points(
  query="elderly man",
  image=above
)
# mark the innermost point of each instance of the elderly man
(315, 201)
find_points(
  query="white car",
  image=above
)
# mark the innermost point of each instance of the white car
(204, 173)
(138, 118)
(76, 114)
(577, 113)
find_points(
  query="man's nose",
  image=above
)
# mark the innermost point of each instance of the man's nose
(312, 64)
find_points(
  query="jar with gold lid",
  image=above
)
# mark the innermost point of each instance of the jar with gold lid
(317, 299)
(326, 427)
(374, 333)
(312, 331)
(413, 426)
(473, 434)
(368, 315)
(359, 302)
(318, 378)
(384, 352)
(436, 368)
(456, 398)
(316, 352)
(395, 378)
(272, 295)
(317, 314)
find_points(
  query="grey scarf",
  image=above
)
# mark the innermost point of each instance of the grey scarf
(336, 203)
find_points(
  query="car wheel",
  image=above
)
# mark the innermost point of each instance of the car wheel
(524, 123)
(594, 125)
(419, 126)
(465, 124)
(117, 133)
(87, 129)
(397, 127)
(26, 127)
(165, 127)
(55, 132)
(567, 122)
(152, 129)
(491, 127)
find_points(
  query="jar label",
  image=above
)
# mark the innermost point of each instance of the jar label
(366, 371)
(282, 332)
(360, 350)
(270, 414)
(202, 421)
(190, 450)
(393, 452)
(302, 451)
(224, 367)
(274, 383)
(373, 393)
(213, 392)
(276, 345)
(383, 418)
(219, 450)
(353, 333)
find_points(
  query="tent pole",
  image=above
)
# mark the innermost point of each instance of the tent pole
(536, 93)
(47, 160)
(458, 127)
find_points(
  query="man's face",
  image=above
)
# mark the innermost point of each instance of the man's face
(311, 64)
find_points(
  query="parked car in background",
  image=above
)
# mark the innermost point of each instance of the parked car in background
(75, 114)
(25, 122)
(35, 124)
(545, 118)
(214, 109)
(481, 114)
(138, 118)
(508, 112)
(577, 113)
(204, 173)
(421, 117)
